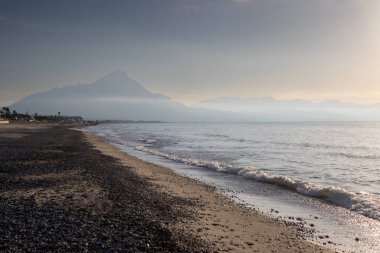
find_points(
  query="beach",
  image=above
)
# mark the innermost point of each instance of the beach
(68, 190)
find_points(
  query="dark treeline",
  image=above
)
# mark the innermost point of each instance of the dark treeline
(7, 114)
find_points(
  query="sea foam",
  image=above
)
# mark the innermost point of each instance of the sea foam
(362, 203)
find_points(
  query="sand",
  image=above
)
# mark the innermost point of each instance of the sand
(59, 194)
(64, 190)
(225, 224)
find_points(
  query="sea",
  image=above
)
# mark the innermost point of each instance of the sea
(325, 173)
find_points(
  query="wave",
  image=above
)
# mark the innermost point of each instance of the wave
(362, 203)
(354, 156)
(150, 141)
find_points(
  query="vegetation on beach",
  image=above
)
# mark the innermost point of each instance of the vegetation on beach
(14, 116)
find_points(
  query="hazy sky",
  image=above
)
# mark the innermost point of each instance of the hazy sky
(193, 50)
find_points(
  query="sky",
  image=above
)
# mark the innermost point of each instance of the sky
(191, 50)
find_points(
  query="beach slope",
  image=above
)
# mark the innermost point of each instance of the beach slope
(66, 190)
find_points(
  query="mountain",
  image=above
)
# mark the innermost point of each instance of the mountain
(115, 96)
(270, 109)
(118, 97)
(115, 84)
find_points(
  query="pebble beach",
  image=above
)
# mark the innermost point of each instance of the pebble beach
(64, 190)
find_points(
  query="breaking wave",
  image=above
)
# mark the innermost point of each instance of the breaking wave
(362, 203)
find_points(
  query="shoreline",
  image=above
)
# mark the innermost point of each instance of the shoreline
(67, 190)
(59, 194)
(228, 226)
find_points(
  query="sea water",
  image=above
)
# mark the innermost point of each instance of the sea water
(327, 174)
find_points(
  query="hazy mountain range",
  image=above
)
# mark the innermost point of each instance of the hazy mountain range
(116, 96)
(270, 109)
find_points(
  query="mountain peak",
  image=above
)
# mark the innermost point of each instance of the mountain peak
(117, 73)
(115, 76)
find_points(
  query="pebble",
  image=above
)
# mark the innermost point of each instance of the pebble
(140, 222)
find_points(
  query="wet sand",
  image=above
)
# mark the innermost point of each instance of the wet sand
(219, 221)
(66, 190)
